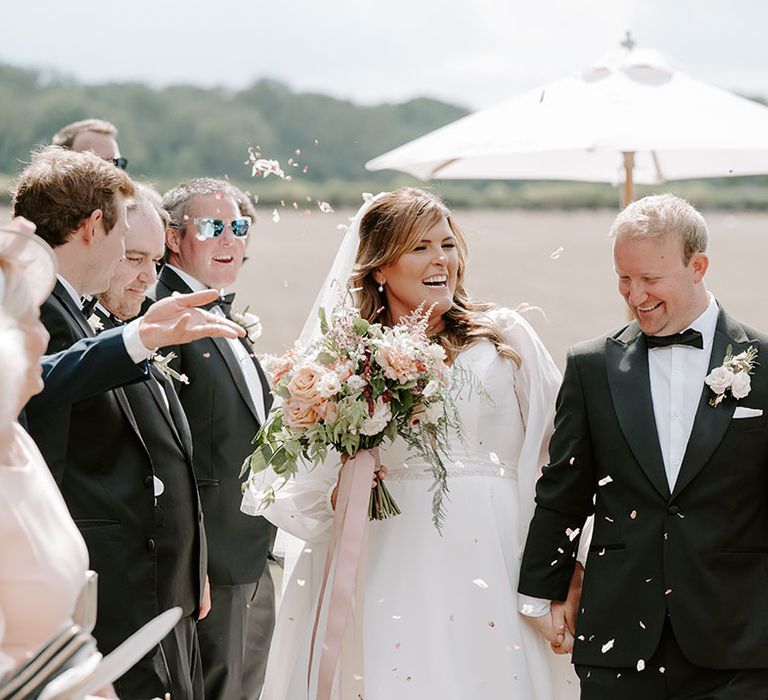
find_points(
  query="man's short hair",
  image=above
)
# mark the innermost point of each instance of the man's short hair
(657, 215)
(145, 191)
(59, 189)
(65, 137)
(176, 200)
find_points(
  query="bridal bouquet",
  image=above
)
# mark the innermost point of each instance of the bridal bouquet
(360, 385)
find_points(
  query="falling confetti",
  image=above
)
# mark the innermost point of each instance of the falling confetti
(604, 481)
(397, 617)
(572, 534)
(324, 207)
(571, 460)
(557, 253)
(480, 583)
(275, 216)
(640, 665)
(642, 624)
(494, 458)
(300, 581)
(607, 646)
(633, 514)
(662, 669)
(491, 624)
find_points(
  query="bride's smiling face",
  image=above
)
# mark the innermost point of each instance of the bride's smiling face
(425, 274)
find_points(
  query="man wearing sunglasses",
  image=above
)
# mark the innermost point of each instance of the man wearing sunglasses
(94, 135)
(226, 401)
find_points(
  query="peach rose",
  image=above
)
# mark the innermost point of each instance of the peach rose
(304, 384)
(328, 411)
(299, 416)
(397, 361)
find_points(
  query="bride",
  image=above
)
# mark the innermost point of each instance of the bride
(435, 616)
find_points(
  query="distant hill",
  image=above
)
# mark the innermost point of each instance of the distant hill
(185, 131)
(322, 142)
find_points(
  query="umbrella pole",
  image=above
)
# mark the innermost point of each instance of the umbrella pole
(629, 182)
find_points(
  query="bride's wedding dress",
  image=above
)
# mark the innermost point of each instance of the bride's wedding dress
(437, 618)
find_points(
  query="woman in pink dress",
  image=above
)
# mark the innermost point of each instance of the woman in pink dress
(43, 558)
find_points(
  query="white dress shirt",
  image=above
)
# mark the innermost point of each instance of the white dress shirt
(677, 379)
(136, 350)
(677, 375)
(244, 361)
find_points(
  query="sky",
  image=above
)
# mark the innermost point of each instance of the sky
(468, 52)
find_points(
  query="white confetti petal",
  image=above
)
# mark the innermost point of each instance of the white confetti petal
(607, 646)
(605, 480)
(640, 665)
(480, 583)
(494, 458)
(557, 253)
(572, 534)
(300, 581)
(275, 216)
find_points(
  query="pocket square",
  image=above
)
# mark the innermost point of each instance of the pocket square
(744, 412)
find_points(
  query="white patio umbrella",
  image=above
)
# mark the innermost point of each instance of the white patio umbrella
(631, 117)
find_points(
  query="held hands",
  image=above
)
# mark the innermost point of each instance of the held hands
(176, 320)
(559, 625)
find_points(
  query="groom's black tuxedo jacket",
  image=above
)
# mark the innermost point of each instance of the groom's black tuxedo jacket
(104, 464)
(698, 554)
(223, 421)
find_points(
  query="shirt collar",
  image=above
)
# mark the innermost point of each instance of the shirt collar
(194, 284)
(707, 322)
(71, 291)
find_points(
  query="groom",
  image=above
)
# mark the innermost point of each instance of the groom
(675, 595)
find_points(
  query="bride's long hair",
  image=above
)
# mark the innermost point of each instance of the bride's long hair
(394, 225)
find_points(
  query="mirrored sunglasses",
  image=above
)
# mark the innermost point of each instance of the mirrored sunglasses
(213, 228)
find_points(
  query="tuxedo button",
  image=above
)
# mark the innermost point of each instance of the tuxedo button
(673, 510)
(151, 545)
(148, 482)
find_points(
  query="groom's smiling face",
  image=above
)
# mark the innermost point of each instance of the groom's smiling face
(664, 293)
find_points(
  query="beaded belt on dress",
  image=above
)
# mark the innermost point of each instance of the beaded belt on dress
(468, 466)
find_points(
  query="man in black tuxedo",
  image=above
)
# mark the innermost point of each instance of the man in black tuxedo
(226, 401)
(179, 536)
(95, 448)
(674, 600)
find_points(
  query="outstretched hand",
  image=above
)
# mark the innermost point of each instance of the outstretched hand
(176, 320)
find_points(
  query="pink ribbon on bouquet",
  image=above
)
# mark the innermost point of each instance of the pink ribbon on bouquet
(349, 526)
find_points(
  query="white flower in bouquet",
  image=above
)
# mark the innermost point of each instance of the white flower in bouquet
(329, 385)
(741, 385)
(382, 414)
(356, 383)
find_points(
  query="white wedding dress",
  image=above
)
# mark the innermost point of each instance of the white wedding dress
(439, 613)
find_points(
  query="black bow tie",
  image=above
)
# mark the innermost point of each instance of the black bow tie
(688, 337)
(224, 302)
(88, 305)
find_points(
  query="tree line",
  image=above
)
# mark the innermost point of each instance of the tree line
(322, 142)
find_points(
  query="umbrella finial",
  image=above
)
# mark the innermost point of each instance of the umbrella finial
(628, 43)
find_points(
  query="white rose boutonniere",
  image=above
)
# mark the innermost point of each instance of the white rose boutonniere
(95, 323)
(732, 375)
(249, 322)
(163, 363)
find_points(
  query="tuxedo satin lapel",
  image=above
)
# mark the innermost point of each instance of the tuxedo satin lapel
(172, 281)
(72, 308)
(266, 391)
(154, 385)
(181, 425)
(630, 383)
(711, 422)
(237, 374)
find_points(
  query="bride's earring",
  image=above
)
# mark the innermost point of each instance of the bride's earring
(381, 288)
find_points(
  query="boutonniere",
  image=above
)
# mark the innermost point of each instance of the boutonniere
(163, 363)
(95, 323)
(249, 322)
(732, 375)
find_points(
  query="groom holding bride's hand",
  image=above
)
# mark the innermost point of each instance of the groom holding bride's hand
(675, 469)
